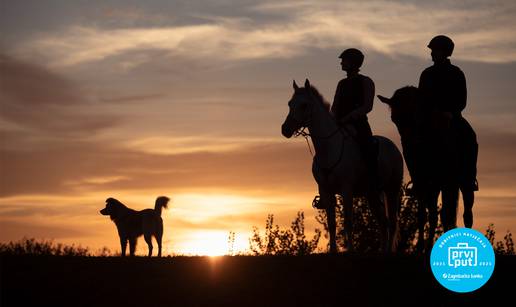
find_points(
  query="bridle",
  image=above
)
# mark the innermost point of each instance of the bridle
(303, 125)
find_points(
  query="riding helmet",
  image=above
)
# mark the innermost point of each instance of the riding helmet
(442, 42)
(355, 56)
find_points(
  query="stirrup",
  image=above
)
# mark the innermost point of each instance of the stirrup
(316, 203)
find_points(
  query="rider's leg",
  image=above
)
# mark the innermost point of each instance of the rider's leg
(369, 151)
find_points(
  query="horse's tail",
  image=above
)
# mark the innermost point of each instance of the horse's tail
(161, 202)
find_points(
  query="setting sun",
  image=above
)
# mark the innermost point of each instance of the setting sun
(206, 243)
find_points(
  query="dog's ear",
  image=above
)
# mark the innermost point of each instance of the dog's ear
(114, 202)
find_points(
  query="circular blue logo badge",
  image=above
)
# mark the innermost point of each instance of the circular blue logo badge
(462, 260)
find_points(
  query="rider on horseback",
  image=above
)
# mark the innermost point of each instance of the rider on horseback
(443, 96)
(353, 100)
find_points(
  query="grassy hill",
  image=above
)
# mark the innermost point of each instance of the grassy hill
(318, 280)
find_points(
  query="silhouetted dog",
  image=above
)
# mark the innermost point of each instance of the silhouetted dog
(131, 223)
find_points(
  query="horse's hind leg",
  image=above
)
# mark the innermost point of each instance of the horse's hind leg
(379, 212)
(431, 202)
(421, 222)
(450, 197)
(393, 204)
(468, 198)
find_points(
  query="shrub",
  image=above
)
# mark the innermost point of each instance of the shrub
(276, 241)
(503, 247)
(33, 247)
(42, 248)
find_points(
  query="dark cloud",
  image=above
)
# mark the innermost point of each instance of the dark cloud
(131, 99)
(34, 98)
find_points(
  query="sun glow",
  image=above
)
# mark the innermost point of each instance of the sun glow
(206, 243)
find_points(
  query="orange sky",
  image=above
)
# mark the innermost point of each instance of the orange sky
(186, 99)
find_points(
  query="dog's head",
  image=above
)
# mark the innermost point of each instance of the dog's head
(113, 208)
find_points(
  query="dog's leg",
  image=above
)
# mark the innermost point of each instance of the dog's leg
(132, 246)
(159, 235)
(148, 239)
(123, 245)
(158, 238)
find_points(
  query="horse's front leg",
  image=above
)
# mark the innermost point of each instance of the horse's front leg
(421, 221)
(450, 198)
(380, 214)
(332, 227)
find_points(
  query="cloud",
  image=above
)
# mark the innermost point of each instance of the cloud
(36, 101)
(68, 169)
(391, 28)
(191, 144)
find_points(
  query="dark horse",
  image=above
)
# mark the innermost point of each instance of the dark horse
(440, 162)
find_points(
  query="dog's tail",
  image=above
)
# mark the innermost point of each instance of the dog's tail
(161, 202)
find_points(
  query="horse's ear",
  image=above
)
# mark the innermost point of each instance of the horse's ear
(295, 86)
(307, 84)
(384, 99)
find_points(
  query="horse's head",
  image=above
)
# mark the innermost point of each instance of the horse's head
(402, 104)
(300, 109)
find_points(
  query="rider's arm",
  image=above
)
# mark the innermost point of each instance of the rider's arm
(459, 93)
(335, 105)
(367, 106)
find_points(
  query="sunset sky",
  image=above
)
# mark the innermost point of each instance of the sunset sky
(136, 99)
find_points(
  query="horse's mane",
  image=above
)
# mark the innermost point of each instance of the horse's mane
(315, 92)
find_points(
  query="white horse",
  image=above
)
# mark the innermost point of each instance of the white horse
(339, 167)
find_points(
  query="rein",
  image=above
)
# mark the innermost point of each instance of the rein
(302, 132)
